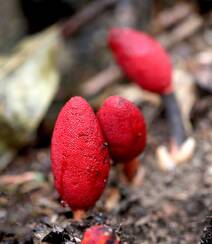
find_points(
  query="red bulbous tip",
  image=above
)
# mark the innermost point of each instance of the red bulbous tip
(100, 234)
(80, 159)
(124, 128)
(142, 58)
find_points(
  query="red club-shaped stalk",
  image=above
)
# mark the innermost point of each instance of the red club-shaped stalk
(124, 129)
(145, 62)
(80, 159)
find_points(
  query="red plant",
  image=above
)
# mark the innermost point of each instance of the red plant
(80, 159)
(145, 62)
(142, 58)
(123, 127)
(99, 234)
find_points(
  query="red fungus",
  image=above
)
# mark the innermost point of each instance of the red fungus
(80, 159)
(100, 234)
(144, 61)
(123, 126)
(124, 129)
(142, 58)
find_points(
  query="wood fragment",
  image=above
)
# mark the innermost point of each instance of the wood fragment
(171, 16)
(201, 67)
(101, 80)
(164, 159)
(184, 30)
(85, 15)
(113, 199)
(186, 151)
(169, 160)
(125, 14)
(19, 179)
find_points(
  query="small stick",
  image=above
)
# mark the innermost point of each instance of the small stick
(169, 17)
(85, 15)
(112, 199)
(101, 80)
(18, 179)
(125, 14)
(184, 30)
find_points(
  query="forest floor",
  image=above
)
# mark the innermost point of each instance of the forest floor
(167, 207)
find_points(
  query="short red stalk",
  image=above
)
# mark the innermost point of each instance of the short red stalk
(131, 168)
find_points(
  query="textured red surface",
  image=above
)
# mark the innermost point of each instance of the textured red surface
(99, 234)
(142, 59)
(80, 159)
(123, 127)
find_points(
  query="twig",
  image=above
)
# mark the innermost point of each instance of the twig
(19, 179)
(184, 30)
(84, 16)
(101, 80)
(171, 16)
(125, 14)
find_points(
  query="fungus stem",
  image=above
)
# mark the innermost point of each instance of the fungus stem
(130, 169)
(174, 118)
(79, 214)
